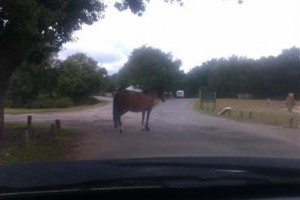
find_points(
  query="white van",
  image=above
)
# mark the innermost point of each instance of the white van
(180, 93)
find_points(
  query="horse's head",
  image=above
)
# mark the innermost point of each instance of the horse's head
(162, 94)
(157, 92)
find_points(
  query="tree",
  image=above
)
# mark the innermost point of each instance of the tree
(271, 77)
(138, 6)
(80, 77)
(54, 82)
(150, 67)
(30, 81)
(32, 29)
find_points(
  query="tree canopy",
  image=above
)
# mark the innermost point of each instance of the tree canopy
(79, 77)
(57, 83)
(267, 77)
(150, 67)
(33, 28)
(138, 6)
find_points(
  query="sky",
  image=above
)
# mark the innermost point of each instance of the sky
(196, 32)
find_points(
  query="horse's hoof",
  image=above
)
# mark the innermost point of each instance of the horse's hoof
(147, 129)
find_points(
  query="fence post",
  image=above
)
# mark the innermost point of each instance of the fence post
(200, 99)
(57, 125)
(250, 115)
(29, 121)
(215, 101)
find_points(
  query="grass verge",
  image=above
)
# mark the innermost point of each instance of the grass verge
(254, 111)
(40, 145)
(15, 111)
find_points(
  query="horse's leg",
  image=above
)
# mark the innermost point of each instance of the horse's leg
(143, 119)
(121, 128)
(147, 119)
(116, 123)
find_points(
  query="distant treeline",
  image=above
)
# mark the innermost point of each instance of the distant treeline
(267, 77)
(56, 83)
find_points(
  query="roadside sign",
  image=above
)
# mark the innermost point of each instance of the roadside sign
(207, 96)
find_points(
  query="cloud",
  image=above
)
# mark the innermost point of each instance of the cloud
(112, 60)
(105, 57)
(194, 33)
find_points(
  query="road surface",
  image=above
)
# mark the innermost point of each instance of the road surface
(175, 130)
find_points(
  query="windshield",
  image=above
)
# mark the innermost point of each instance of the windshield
(98, 80)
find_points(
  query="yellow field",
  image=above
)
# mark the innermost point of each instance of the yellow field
(254, 111)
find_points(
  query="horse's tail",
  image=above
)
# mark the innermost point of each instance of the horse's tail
(116, 112)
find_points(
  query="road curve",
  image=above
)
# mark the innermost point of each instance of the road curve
(175, 130)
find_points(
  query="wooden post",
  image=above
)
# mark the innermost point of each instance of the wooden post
(29, 121)
(215, 97)
(200, 98)
(250, 115)
(57, 125)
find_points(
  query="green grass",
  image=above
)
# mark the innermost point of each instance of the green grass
(254, 111)
(14, 111)
(42, 146)
(33, 153)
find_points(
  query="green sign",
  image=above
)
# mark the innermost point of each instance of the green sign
(207, 95)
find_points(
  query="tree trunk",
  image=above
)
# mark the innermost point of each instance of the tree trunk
(4, 79)
(1, 117)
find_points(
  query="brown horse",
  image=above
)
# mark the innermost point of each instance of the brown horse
(126, 100)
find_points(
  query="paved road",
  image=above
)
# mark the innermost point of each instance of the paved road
(175, 130)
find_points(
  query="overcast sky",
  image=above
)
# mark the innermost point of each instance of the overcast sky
(195, 32)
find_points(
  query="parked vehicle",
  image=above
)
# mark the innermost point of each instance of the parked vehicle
(180, 93)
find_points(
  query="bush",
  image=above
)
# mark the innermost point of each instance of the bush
(48, 101)
(91, 101)
(61, 102)
(87, 101)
